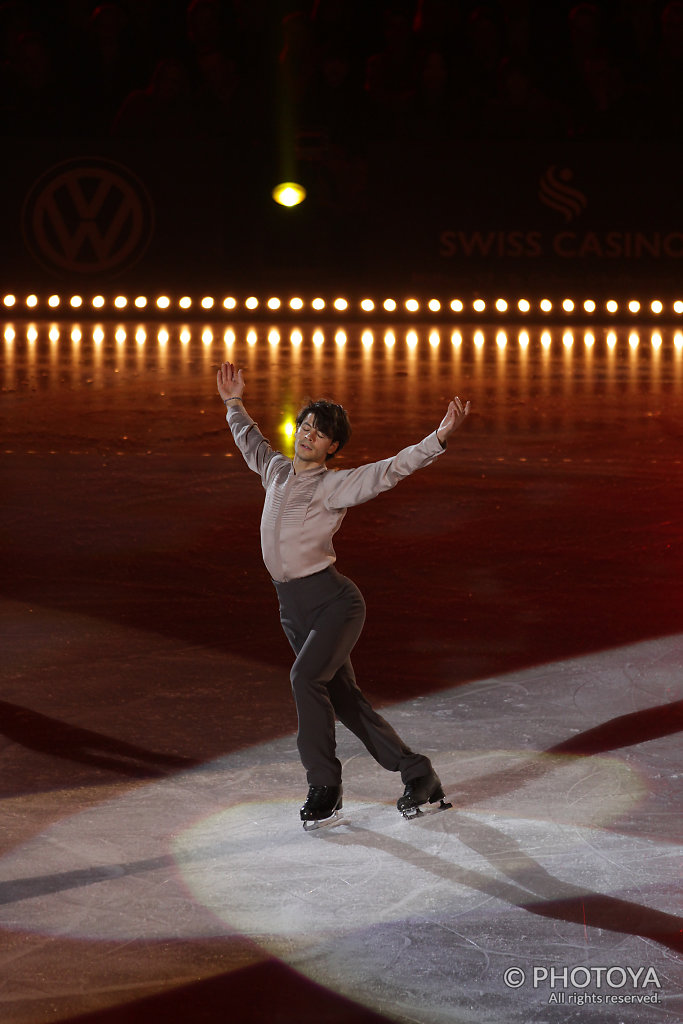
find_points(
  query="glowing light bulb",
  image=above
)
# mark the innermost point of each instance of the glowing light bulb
(367, 305)
(229, 302)
(53, 301)
(141, 301)
(656, 306)
(589, 306)
(120, 301)
(501, 305)
(524, 305)
(389, 305)
(163, 302)
(412, 305)
(207, 302)
(296, 303)
(479, 305)
(31, 301)
(568, 305)
(340, 304)
(98, 302)
(611, 306)
(634, 306)
(76, 301)
(434, 305)
(185, 302)
(318, 304)
(457, 305)
(546, 305)
(274, 303)
(289, 193)
(9, 300)
(251, 302)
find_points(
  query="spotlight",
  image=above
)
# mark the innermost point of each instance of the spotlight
(289, 193)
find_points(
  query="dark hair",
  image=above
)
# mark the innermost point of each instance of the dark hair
(331, 419)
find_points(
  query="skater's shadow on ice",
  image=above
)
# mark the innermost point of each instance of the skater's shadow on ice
(530, 886)
(47, 735)
(624, 731)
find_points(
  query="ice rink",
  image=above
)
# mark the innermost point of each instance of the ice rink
(524, 629)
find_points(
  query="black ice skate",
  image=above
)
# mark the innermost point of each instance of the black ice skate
(425, 789)
(322, 807)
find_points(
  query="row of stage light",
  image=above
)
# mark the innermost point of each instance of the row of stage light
(252, 306)
(318, 337)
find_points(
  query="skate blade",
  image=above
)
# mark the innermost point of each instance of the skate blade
(336, 818)
(416, 812)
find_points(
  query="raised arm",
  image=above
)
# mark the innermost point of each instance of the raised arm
(248, 438)
(348, 487)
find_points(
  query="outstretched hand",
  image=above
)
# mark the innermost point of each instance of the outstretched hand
(230, 383)
(454, 418)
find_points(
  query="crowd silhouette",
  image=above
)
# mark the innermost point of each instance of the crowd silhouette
(348, 72)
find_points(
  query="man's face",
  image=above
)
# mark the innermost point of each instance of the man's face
(311, 445)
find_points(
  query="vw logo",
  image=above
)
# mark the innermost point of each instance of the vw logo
(88, 216)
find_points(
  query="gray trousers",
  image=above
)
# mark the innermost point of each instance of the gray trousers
(322, 616)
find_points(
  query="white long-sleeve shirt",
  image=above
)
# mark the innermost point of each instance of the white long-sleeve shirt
(303, 511)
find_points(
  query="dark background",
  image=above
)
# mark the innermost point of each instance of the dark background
(412, 124)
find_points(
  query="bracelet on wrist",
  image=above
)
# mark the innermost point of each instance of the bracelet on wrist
(233, 398)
